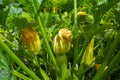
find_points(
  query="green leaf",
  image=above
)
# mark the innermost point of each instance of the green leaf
(24, 21)
(5, 73)
(100, 10)
(28, 5)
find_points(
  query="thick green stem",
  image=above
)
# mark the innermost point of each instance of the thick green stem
(76, 30)
(18, 61)
(62, 64)
(46, 42)
(81, 71)
(115, 61)
(108, 58)
(75, 13)
(44, 34)
(20, 75)
(3, 38)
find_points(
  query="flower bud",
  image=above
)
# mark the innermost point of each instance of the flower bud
(31, 40)
(81, 13)
(88, 58)
(62, 41)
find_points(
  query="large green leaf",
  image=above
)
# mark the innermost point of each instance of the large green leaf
(100, 9)
(5, 73)
(29, 6)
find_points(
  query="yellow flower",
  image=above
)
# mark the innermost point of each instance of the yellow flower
(31, 40)
(62, 41)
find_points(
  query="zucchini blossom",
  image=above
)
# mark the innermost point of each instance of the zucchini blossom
(62, 41)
